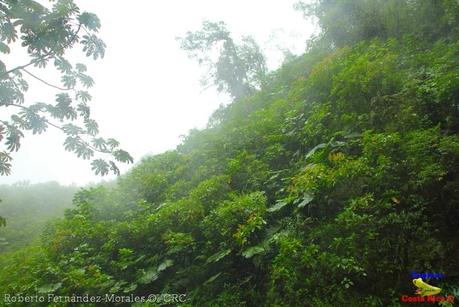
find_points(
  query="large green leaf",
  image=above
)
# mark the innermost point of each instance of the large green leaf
(312, 151)
(252, 251)
(49, 288)
(167, 263)
(213, 278)
(149, 276)
(279, 205)
(306, 200)
(130, 288)
(152, 274)
(218, 256)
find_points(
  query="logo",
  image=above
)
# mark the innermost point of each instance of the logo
(427, 299)
(426, 293)
(424, 288)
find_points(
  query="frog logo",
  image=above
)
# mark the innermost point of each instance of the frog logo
(424, 289)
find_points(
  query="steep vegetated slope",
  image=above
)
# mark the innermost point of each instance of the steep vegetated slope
(326, 188)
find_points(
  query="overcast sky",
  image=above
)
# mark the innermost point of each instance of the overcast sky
(147, 92)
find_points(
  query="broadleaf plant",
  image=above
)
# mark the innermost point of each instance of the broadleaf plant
(47, 33)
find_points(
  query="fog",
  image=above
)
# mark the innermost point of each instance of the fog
(147, 92)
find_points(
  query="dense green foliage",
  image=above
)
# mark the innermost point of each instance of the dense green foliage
(26, 209)
(325, 188)
(346, 22)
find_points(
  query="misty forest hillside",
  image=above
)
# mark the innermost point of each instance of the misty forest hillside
(325, 187)
(27, 208)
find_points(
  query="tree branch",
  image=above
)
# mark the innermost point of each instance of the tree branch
(45, 55)
(49, 84)
(28, 64)
(62, 129)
